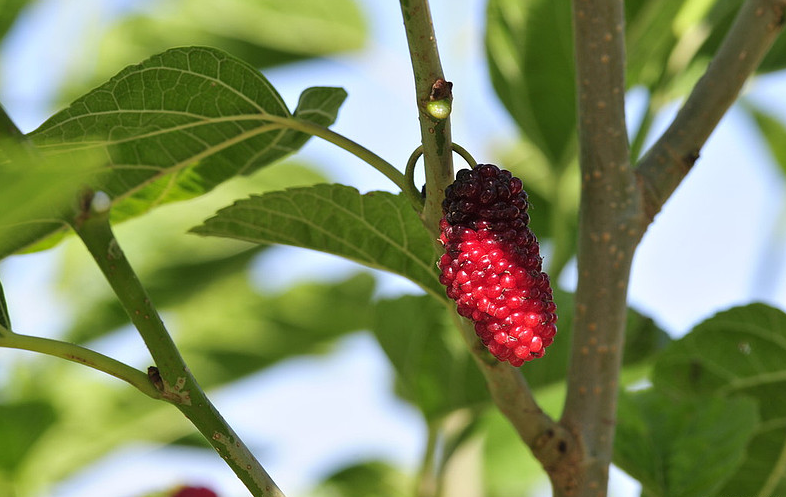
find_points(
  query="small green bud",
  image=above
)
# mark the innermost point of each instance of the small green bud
(439, 109)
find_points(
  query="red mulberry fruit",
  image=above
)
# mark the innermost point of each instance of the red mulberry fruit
(492, 265)
(194, 492)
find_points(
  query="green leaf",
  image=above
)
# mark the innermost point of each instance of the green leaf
(650, 39)
(21, 425)
(178, 124)
(663, 442)
(530, 54)
(738, 353)
(38, 192)
(434, 371)
(378, 229)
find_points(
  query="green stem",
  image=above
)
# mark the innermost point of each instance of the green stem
(176, 383)
(80, 355)
(427, 479)
(434, 132)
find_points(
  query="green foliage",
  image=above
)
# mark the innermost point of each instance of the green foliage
(682, 449)
(773, 130)
(369, 479)
(720, 386)
(263, 33)
(738, 353)
(378, 229)
(433, 371)
(535, 80)
(21, 424)
(177, 125)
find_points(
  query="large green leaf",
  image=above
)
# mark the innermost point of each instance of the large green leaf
(178, 124)
(433, 371)
(9, 11)
(738, 353)
(378, 229)
(366, 479)
(530, 55)
(682, 448)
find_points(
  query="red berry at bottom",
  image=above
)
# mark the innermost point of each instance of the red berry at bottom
(492, 266)
(194, 492)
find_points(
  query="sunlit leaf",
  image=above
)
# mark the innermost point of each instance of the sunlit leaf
(663, 442)
(178, 124)
(378, 229)
(738, 353)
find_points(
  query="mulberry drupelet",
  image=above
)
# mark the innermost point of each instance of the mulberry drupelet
(492, 265)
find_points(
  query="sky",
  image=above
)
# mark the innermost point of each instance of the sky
(694, 261)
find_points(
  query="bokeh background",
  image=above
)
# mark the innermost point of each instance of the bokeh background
(318, 403)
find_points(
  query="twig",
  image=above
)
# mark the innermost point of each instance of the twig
(664, 166)
(80, 355)
(171, 376)
(434, 132)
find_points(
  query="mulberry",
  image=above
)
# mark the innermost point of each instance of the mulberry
(492, 264)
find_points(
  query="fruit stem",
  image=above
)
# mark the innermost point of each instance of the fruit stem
(171, 377)
(434, 132)
(80, 355)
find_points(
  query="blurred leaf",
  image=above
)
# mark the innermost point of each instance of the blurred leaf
(229, 331)
(5, 319)
(643, 339)
(178, 124)
(533, 78)
(173, 266)
(509, 467)
(21, 424)
(773, 130)
(9, 11)
(37, 192)
(261, 32)
(378, 229)
(650, 39)
(432, 371)
(663, 442)
(739, 352)
(368, 479)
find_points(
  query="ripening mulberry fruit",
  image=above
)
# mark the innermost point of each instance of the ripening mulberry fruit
(194, 492)
(492, 265)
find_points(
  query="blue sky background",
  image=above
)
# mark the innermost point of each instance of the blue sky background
(720, 241)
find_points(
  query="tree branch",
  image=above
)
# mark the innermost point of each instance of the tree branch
(171, 376)
(434, 132)
(664, 166)
(609, 227)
